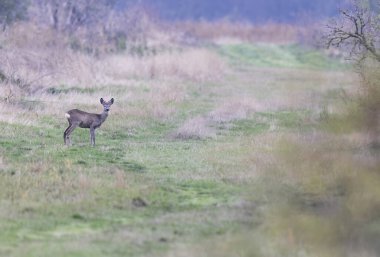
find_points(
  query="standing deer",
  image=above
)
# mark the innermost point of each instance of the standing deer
(86, 120)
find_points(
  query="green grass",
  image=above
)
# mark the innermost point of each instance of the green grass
(42, 181)
(272, 183)
(283, 56)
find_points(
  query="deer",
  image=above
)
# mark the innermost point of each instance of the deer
(78, 118)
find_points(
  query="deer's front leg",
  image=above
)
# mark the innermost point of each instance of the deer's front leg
(92, 133)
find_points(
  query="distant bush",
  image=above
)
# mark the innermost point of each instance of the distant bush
(223, 30)
(326, 197)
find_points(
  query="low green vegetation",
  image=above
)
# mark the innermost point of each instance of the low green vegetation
(284, 56)
(264, 174)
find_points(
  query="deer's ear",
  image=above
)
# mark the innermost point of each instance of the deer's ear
(101, 100)
(112, 100)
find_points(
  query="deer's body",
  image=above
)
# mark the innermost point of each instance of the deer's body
(78, 118)
(86, 120)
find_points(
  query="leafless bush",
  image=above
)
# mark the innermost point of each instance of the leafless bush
(135, 25)
(357, 30)
(68, 16)
(358, 33)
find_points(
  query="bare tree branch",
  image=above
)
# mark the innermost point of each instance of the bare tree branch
(69, 15)
(358, 30)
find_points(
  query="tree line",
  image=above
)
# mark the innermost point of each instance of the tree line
(69, 14)
(62, 15)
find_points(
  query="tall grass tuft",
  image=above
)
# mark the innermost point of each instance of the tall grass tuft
(195, 128)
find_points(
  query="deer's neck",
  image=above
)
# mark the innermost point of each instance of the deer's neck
(103, 116)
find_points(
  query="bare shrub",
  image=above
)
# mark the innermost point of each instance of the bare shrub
(134, 25)
(357, 31)
(69, 16)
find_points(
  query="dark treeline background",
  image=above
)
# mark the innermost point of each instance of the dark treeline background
(287, 11)
(70, 13)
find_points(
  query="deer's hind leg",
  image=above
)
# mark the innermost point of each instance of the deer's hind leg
(67, 133)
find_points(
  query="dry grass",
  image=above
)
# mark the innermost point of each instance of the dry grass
(195, 128)
(16, 115)
(308, 188)
(35, 69)
(234, 109)
(48, 60)
(225, 31)
(202, 127)
(197, 65)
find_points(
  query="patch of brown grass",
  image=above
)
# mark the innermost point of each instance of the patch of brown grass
(234, 110)
(225, 30)
(197, 65)
(195, 128)
(201, 127)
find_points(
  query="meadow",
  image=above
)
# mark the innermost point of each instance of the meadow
(226, 149)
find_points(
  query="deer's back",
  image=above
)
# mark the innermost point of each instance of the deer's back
(84, 119)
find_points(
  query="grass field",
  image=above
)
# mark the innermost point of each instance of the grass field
(242, 162)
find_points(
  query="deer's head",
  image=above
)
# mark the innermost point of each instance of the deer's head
(106, 105)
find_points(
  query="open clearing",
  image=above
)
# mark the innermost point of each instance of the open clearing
(191, 167)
